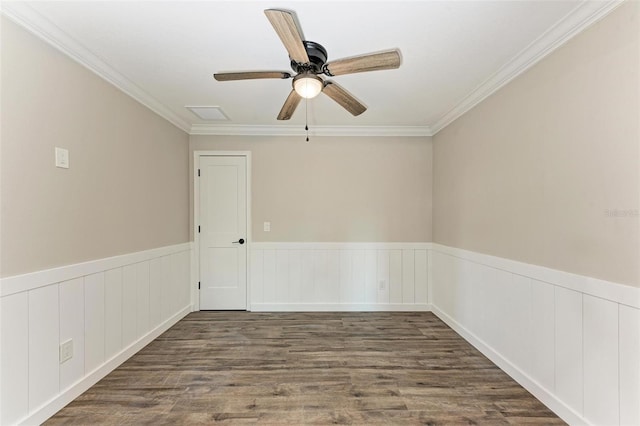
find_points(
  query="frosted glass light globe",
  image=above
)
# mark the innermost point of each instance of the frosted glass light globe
(308, 85)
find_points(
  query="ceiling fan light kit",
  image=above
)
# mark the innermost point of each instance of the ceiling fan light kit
(309, 60)
(308, 85)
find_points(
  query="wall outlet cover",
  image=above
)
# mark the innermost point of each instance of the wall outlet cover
(66, 350)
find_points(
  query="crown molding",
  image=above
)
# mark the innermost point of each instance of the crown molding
(291, 130)
(25, 16)
(573, 23)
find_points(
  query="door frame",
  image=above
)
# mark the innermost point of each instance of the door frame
(195, 264)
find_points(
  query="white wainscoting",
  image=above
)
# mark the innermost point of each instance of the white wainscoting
(111, 308)
(572, 341)
(339, 277)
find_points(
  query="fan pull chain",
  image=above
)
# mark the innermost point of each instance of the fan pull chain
(306, 117)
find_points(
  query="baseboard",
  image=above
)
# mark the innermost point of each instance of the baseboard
(66, 396)
(340, 307)
(542, 394)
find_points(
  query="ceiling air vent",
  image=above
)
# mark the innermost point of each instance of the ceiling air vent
(208, 112)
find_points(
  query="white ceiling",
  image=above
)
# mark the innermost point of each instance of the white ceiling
(163, 53)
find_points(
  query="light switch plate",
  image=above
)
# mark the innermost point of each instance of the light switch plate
(62, 158)
(267, 227)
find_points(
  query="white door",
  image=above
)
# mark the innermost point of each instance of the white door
(223, 232)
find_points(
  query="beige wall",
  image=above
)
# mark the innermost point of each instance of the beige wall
(530, 173)
(127, 188)
(375, 189)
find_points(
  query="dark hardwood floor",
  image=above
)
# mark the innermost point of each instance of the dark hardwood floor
(307, 368)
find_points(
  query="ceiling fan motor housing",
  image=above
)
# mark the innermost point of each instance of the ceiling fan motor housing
(317, 58)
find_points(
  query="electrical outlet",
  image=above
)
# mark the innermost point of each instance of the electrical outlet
(382, 284)
(267, 227)
(66, 350)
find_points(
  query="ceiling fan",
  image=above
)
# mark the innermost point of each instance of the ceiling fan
(308, 61)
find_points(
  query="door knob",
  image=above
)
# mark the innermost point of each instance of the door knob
(240, 241)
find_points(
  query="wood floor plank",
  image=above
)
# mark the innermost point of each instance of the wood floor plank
(307, 368)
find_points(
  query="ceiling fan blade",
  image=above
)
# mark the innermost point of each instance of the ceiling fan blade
(370, 62)
(284, 22)
(289, 106)
(344, 98)
(250, 75)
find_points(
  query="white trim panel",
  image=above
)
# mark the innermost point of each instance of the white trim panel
(33, 280)
(545, 396)
(72, 392)
(339, 276)
(110, 308)
(619, 293)
(572, 341)
(339, 246)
